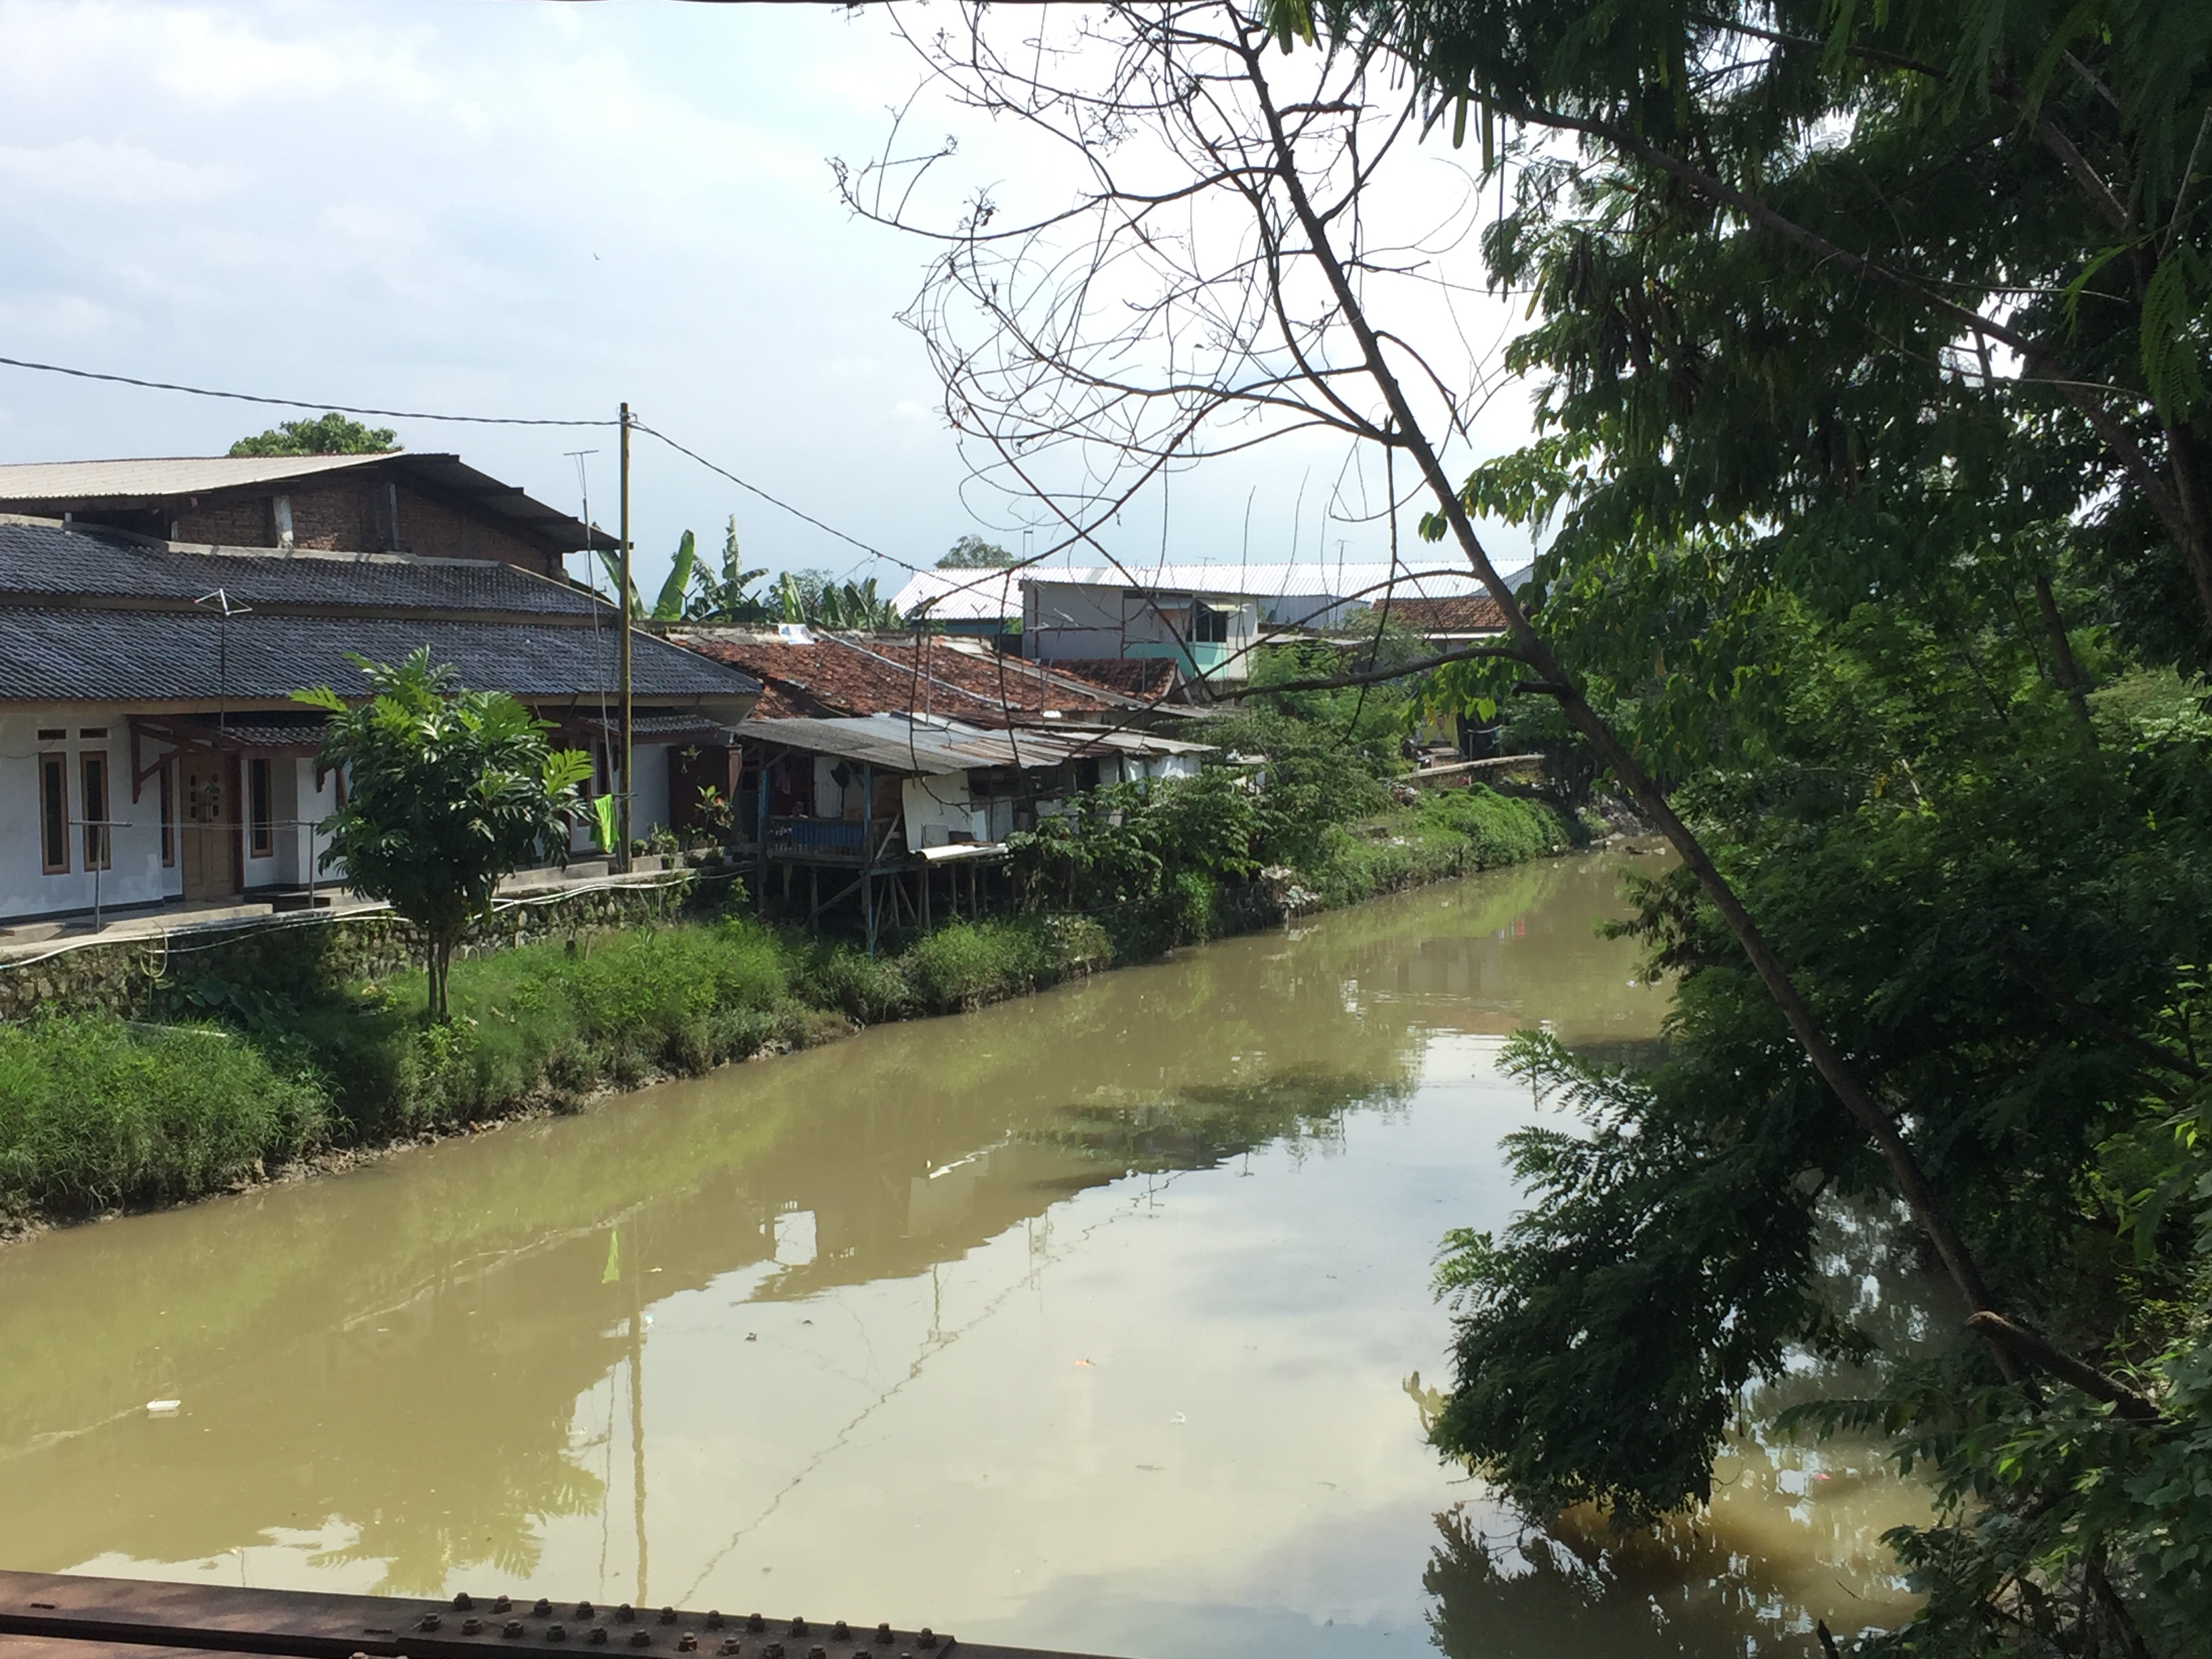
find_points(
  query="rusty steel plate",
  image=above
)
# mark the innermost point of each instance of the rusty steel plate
(63, 1608)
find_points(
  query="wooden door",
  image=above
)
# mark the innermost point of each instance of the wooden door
(208, 856)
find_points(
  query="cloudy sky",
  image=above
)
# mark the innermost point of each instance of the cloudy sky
(515, 208)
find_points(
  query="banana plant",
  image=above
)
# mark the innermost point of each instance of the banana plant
(727, 599)
(669, 606)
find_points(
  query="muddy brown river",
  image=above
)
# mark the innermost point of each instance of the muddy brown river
(1098, 1320)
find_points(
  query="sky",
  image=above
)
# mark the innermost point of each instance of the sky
(524, 209)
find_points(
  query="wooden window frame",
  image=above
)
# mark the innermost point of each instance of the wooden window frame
(260, 807)
(53, 764)
(167, 772)
(98, 839)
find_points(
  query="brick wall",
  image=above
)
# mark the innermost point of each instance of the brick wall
(352, 516)
(245, 522)
(432, 530)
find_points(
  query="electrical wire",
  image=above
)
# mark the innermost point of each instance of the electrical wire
(293, 402)
(636, 425)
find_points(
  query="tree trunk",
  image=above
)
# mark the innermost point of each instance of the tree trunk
(1856, 1100)
(440, 965)
(2066, 672)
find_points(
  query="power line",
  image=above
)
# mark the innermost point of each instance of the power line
(637, 425)
(469, 419)
(292, 402)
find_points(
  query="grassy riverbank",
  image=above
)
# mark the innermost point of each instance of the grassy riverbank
(97, 1112)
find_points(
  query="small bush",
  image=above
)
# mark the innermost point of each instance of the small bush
(969, 964)
(870, 989)
(1501, 828)
(94, 1113)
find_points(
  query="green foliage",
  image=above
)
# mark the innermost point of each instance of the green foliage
(966, 964)
(728, 597)
(1148, 860)
(973, 553)
(94, 1113)
(668, 606)
(1449, 833)
(1994, 913)
(449, 791)
(1369, 721)
(1661, 1268)
(813, 598)
(326, 435)
(1907, 611)
(961, 965)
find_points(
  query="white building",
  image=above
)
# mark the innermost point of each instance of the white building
(148, 741)
(1206, 618)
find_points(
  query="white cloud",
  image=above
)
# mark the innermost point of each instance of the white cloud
(125, 175)
(526, 208)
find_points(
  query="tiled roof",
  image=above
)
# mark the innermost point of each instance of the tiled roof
(39, 559)
(1470, 613)
(86, 616)
(168, 656)
(1146, 678)
(875, 675)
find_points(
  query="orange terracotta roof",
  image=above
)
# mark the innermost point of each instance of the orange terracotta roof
(1148, 679)
(836, 675)
(1467, 613)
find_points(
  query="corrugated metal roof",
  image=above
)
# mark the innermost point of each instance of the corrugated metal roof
(983, 595)
(933, 748)
(950, 596)
(56, 486)
(172, 475)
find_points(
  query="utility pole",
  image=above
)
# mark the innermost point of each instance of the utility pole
(621, 603)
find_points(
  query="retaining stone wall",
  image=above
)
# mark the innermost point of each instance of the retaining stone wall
(287, 955)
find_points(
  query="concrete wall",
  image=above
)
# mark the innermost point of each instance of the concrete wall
(288, 955)
(937, 807)
(1064, 621)
(135, 874)
(648, 806)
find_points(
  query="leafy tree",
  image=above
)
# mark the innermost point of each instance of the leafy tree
(326, 435)
(1784, 252)
(449, 791)
(973, 553)
(1870, 348)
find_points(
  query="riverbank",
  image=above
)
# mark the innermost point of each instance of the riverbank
(241, 1082)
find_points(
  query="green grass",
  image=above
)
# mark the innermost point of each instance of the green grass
(95, 1112)
(1451, 832)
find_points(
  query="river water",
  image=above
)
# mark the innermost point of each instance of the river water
(1097, 1321)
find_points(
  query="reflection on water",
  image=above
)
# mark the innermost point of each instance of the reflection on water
(1082, 1321)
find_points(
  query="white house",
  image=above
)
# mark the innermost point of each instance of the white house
(149, 742)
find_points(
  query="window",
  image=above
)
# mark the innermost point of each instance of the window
(260, 806)
(53, 813)
(1208, 626)
(168, 776)
(98, 841)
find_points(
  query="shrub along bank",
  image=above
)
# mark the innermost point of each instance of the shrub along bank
(97, 1112)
